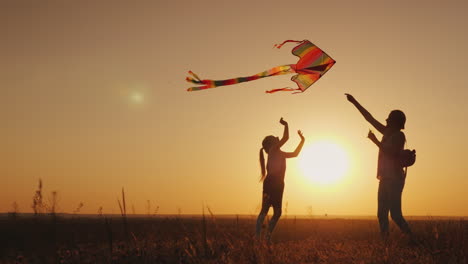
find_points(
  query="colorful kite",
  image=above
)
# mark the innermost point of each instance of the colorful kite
(312, 64)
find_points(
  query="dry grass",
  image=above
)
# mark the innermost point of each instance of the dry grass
(225, 240)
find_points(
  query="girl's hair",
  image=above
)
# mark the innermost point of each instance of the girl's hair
(267, 143)
(398, 118)
(262, 165)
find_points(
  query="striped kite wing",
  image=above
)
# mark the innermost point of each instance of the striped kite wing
(312, 65)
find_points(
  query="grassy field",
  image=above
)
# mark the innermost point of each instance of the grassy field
(210, 239)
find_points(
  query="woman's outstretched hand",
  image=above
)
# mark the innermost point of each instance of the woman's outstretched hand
(350, 98)
(283, 122)
(300, 135)
(371, 136)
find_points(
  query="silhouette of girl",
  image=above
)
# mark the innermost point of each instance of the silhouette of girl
(273, 176)
(389, 170)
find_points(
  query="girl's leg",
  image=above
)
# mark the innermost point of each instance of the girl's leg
(263, 213)
(276, 202)
(276, 215)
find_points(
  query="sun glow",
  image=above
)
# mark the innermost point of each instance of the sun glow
(323, 162)
(136, 97)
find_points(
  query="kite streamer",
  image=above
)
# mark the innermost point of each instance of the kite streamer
(313, 63)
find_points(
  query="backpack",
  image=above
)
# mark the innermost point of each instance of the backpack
(407, 157)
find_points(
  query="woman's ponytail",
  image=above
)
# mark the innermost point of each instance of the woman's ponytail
(262, 165)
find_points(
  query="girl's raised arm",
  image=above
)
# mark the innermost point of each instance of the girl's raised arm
(285, 133)
(298, 148)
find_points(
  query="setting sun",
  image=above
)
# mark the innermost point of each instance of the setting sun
(323, 162)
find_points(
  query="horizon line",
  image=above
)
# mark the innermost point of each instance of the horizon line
(321, 216)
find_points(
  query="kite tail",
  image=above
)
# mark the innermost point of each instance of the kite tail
(197, 80)
(278, 46)
(287, 89)
(206, 84)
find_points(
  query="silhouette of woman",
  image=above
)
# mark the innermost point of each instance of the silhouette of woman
(273, 176)
(389, 171)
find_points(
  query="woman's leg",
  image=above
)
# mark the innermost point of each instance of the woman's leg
(395, 207)
(383, 208)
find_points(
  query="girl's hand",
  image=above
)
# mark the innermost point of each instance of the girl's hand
(350, 98)
(300, 135)
(284, 123)
(371, 135)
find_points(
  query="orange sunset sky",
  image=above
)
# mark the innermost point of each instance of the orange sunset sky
(93, 99)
